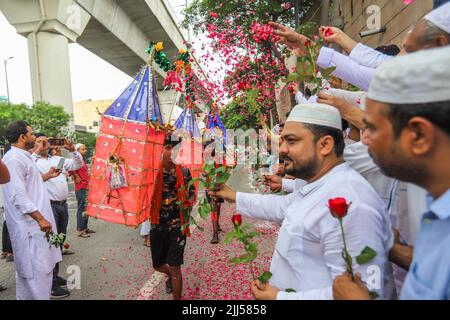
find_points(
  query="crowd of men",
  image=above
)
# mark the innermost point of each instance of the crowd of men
(401, 143)
(35, 193)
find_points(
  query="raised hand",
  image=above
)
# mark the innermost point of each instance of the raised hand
(337, 36)
(41, 145)
(289, 36)
(330, 34)
(69, 145)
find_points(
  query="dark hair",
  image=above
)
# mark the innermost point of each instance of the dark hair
(390, 50)
(37, 135)
(322, 131)
(437, 113)
(345, 125)
(15, 130)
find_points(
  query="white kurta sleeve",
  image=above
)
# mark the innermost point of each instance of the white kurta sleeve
(288, 185)
(16, 187)
(316, 294)
(300, 98)
(356, 98)
(358, 158)
(265, 207)
(368, 56)
(75, 163)
(346, 69)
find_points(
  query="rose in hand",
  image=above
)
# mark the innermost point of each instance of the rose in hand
(330, 34)
(289, 36)
(69, 146)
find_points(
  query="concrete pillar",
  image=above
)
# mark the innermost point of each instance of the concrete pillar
(50, 69)
(49, 26)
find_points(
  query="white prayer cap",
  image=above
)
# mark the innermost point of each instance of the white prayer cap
(78, 146)
(420, 77)
(316, 113)
(440, 17)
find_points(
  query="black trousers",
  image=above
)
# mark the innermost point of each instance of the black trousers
(6, 241)
(61, 214)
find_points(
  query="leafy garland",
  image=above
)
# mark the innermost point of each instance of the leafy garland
(181, 68)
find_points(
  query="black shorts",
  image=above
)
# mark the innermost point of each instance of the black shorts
(167, 246)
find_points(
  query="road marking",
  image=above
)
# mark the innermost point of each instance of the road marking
(150, 285)
(155, 279)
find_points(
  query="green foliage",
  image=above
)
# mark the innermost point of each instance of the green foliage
(241, 12)
(48, 119)
(211, 178)
(244, 235)
(308, 29)
(238, 115)
(233, 21)
(265, 277)
(8, 114)
(42, 117)
(56, 240)
(366, 255)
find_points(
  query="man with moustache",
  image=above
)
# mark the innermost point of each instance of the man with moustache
(29, 216)
(408, 121)
(58, 191)
(308, 251)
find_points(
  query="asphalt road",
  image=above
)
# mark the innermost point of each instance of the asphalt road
(114, 264)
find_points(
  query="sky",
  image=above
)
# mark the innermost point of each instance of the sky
(92, 77)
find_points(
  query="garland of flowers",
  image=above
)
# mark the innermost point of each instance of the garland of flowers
(177, 72)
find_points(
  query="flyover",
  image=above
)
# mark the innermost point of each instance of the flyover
(118, 31)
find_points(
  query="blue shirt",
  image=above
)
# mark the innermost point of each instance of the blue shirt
(429, 275)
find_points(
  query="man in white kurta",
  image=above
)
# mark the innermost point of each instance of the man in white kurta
(308, 250)
(26, 199)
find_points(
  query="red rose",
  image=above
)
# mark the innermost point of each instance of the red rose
(66, 246)
(187, 203)
(308, 43)
(236, 219)
(328, 32)
(338, 207)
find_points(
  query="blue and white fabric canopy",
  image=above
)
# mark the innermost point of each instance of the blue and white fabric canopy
(139, 102)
